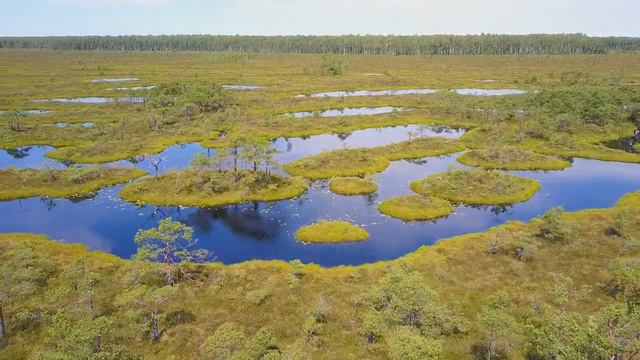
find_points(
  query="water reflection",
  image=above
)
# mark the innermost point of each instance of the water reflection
(347, 112)
(135, 88)
(340, 94)
(242, 87)
(115, 80)
(95, 100)
(490, 92)
(265, 230)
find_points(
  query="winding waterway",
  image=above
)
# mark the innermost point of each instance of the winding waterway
(265, 230)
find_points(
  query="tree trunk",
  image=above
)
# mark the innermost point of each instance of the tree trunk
(2, 325)
(155, 331)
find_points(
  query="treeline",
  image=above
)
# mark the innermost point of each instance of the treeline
(347, 44)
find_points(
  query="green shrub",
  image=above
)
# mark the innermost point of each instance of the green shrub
(554, 227)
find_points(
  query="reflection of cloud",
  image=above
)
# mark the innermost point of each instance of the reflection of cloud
(88, 3)
(90, 238)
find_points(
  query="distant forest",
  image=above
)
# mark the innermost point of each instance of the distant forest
(348, 44)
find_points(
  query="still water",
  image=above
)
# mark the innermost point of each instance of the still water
(265, 230)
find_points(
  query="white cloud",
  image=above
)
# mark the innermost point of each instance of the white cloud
(89, 3)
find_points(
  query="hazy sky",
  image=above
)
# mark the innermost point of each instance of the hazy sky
(116, 17)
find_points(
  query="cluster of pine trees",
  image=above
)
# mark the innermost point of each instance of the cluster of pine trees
(347, 44)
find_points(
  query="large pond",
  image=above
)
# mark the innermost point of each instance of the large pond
(265, 230)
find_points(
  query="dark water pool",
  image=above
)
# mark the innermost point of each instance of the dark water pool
(265, 230)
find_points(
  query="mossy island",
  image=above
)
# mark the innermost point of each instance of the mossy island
(416, 208)
(364, 161)
(512, 159)
(239, 174)
(204, 188)
(352, 186)
(61, 183)
(477, 187)
(331, 232)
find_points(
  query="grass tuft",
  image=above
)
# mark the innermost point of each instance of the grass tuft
(477, 187)
(352, 186)
(416, 208)
(331, 232)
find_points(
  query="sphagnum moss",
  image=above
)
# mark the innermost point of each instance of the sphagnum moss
(73, 182)
(331, 232)
(352, 186)
(415, 208)
(512, 159)
(206, 188)
(477, 187)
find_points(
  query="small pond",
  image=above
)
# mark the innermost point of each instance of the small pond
(96, 100)
(242, 87)
(490, 92)
(135, 88)
(348, 112)
(115, 80)
(265, 230)
(29, 112)
(84, 125)
(340, 94)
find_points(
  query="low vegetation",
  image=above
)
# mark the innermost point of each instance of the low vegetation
(361, 162)
(62, 301)
(67, 183)
(415, 208)
(512, 159)
(352, 186)
(477, 187)
(241, 173)
(339, 163)
(197, 187)
(331, 232)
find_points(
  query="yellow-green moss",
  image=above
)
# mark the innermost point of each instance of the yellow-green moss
(352, 186)
(419, 148)
(360, 162)
(415, 208)
(632, 199)
(588, 151)
(477, 187)
(339, 163)
(196, 188)
(72, 182)
(331, 232)
(512, 159)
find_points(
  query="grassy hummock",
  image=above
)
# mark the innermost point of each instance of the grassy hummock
(197, 187)
(339, 163)
(588, 151)
(66, 183)
(419, 148)
(415, 208)
(331, 232)
(512, 159)
(352, 186)
(477, 187)
(360, 162)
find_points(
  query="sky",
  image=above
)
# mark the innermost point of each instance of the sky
(318, 17)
